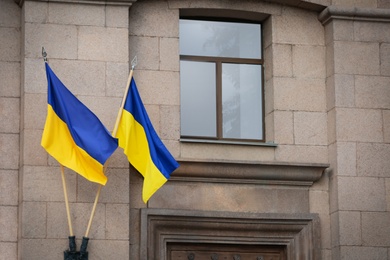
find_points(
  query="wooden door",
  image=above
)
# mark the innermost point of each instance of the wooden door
(180, 251)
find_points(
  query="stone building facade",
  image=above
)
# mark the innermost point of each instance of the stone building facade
(318, 188)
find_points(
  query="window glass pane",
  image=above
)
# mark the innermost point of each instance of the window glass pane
(220, 39)
(198, 99)
(241, 101)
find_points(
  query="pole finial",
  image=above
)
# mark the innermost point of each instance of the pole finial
(44, 54)
(134, 62)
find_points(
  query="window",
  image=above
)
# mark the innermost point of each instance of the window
(221, 80)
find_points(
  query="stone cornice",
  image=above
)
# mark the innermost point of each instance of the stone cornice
(93, 2)
(270, 173)
(354, 13)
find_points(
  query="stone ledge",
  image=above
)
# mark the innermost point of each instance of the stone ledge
(277, 173)
(92, 2)
(354, 13)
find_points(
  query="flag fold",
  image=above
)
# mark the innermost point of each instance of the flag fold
(73, 135)
(144, 149)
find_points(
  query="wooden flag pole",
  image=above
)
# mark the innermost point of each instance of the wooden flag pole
(66, 201)
(44, 55)
(93, 210)
(118, 118)
(133, 63)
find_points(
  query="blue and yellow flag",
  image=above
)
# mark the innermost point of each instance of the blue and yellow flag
(73, 135)
(144, 149)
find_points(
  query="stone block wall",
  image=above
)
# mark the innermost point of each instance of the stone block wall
(10, 64)
(87, 47)
(326, 101)
(358, 102)
(296, 115)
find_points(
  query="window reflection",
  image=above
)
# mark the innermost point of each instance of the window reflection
(241, 101)
(220, 39)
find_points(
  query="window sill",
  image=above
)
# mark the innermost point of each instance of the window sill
(188, 140)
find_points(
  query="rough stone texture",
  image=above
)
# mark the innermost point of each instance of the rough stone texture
(373, 160)
(376, 228)
(44, 249)
(319, 203)
(372, 92)
(226, 152)
(283, 127)
(33, 154)
(8, 190)
(340, 91)
(35, 12)
(32, 104)
(385, 59)
(356, 3)
(9, 151)
(360, 58)
(282, 65)
(301, 153)
(387, 187)
(10, 44)
(9, 115)
(158, 87)
(308, 61)
(8, 250)
(170, 122)
(117, 221)
(363, 193)
(10, 79)
(41, 35)
(34, 219)
(91, 15)
(310, 128)
(299, 94)
(57, 225)
(363, 125)
(88, 48)
(371, 32)
(103, 44)
(81, 77)
(169, 54)
(350, 228)
(44, 184)
(154, 19)
(115, 191)
(8, 223)
(346, 159)
(117, 16)
(298, 27)
(147, 51)
(116, 79)
(386, 125)
(339, 30)
(10, 14)
(233, 198)
(362, 252)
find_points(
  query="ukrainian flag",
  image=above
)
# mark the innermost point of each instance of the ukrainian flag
(144, 149)
(73, 135)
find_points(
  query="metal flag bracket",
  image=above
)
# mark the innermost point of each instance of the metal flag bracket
(44, 54)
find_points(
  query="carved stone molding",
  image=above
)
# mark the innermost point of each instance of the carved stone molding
(94, 2)
(298, 233)
(278, 173)
(354, 13)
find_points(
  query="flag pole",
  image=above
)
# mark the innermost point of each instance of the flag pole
(44, 55)
(72, 239)
(133, 64)
(66, 201)
(118, 118)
